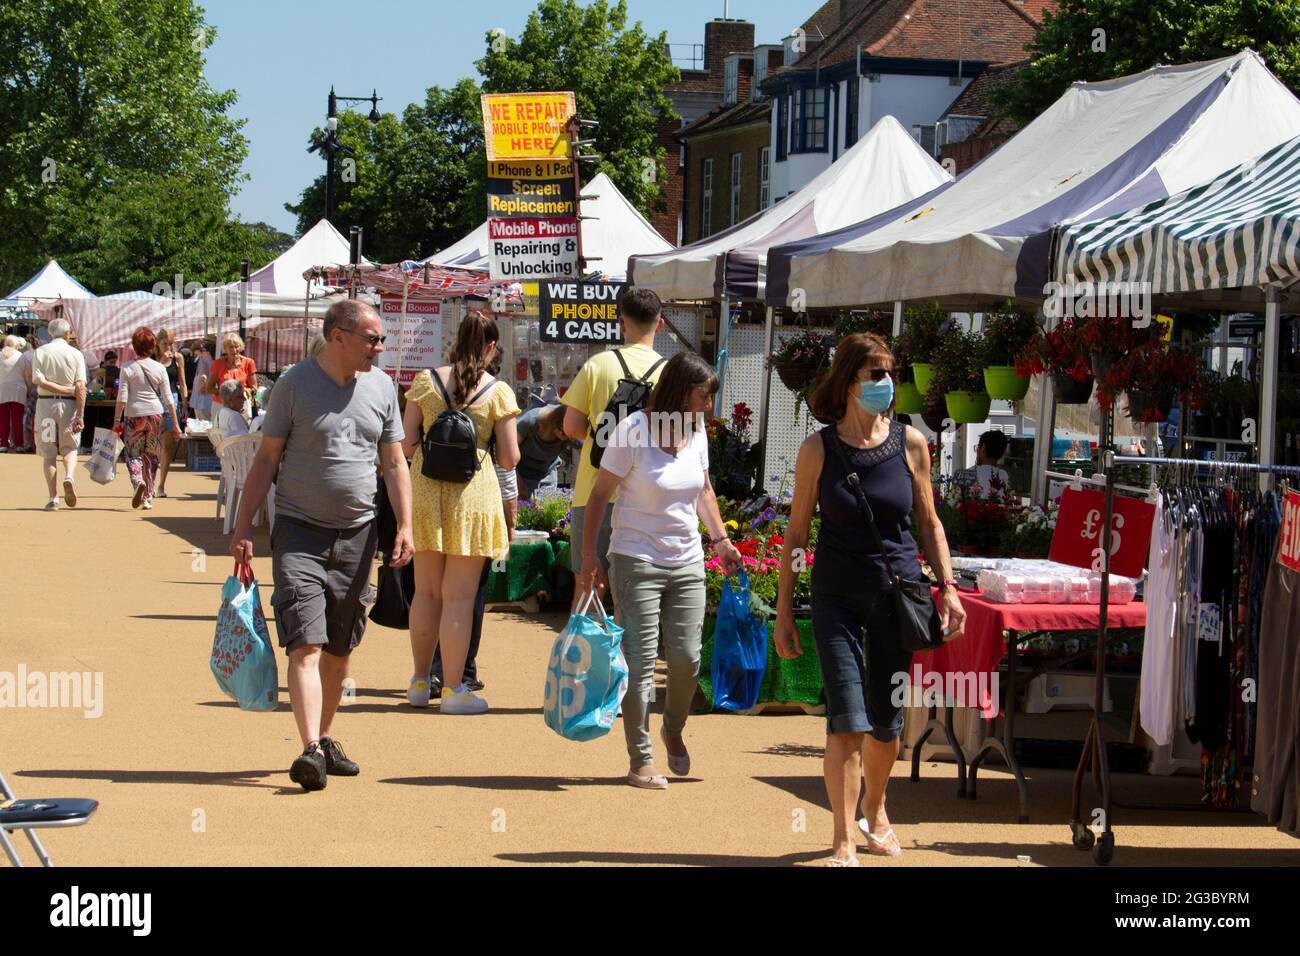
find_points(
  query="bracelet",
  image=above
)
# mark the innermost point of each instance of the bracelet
(950, 582)
(714, 542)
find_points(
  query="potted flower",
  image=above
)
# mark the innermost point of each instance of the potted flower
(1154, 377)
(922, 336)
(908, 398)
(733, 457)
(1112, 342)
(959, 374)
(802, 360)
(1006, 332)
(1062, 354)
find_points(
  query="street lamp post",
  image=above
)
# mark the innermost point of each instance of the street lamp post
(331, 146)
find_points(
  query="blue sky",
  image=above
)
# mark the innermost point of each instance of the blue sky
(281, 56)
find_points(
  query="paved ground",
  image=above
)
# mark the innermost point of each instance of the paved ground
(184, 777)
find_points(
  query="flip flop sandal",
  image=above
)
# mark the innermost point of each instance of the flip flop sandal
(836, 861)
(876, 844)
(657, 782)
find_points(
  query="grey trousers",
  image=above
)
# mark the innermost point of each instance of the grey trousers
(649, 596)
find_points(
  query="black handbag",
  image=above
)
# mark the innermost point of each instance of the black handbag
(392, 607)
(918, 618)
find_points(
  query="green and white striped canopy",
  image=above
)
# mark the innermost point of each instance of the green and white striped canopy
(1239, 229)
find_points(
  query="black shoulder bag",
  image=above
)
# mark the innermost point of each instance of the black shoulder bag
(918, 618)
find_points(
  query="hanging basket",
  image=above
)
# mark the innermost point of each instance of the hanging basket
(908, 399)
(1068, 390)
(924, 373)
(1002, 382)
(795, 375)
(968, 408)
(1101, 363)
(1147, 407)
(934, 416)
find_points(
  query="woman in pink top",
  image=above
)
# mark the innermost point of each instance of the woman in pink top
(142, 398)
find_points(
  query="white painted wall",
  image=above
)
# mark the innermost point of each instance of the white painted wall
(910, 99)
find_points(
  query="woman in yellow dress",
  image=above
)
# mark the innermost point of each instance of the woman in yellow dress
(456, 526)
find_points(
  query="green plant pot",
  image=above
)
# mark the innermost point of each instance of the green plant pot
(923, 372)
(1002, 382)
(907, 399)
(968, 408)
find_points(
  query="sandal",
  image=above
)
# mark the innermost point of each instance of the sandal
(657, 782)
(876, 844)
(680, 766)
(836, 861)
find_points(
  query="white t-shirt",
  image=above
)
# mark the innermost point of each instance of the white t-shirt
(229, 422)
(654, 514)
(13, 387)
(140, 386)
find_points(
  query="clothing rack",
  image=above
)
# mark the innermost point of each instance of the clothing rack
(1094, 746)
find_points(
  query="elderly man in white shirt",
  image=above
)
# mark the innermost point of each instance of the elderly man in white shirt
(59, 374)
(229, 421)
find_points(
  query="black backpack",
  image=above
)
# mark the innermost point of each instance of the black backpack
(451, 442)
(629, 396)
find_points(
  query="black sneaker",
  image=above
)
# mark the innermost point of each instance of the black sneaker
(337, 763)
(308, 771)
(474, 684)
(435, 687)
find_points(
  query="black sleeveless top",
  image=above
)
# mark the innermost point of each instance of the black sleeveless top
(846, 560)
(173, 376)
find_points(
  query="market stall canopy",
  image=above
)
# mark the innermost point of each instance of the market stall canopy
(1101, 148)
(286, 275)
(612, 232)
(883, 170)
(107, 323)
(50, 283)
(1242, 228)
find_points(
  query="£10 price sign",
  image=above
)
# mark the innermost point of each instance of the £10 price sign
(1288, 546)
(1077, 540)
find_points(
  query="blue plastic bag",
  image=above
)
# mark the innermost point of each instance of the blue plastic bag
(739, 649)
(586, 677)
(243, 660)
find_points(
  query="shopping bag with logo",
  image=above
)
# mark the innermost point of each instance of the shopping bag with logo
(243, 660)
(739, 649)
(102, 463)
(586, 677)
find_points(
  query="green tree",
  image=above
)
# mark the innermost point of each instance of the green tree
(617, 74)
(1101, 39)
(415, 185)
(119, 157)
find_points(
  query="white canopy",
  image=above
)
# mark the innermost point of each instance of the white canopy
(1102, 147)
(613, 232)
(51, 283)
(884, 169)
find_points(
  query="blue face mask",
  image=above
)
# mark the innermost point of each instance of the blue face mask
(876, 397)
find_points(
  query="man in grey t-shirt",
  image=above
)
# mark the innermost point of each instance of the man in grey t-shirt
(334, 425)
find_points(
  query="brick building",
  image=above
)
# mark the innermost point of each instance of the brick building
(698, 92)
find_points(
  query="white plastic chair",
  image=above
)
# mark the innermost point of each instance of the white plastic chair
(217, 440)
(237, 456)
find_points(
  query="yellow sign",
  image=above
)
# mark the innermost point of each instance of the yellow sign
(532, 169)
(526, 125)
(1166, 323)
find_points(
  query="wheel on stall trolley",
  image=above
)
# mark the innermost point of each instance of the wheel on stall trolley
(1104, 850)
(1081, 836)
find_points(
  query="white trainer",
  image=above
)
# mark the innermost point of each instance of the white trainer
(417, 694)
(462, 701)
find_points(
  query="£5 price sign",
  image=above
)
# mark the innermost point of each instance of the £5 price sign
(1288, 546)
(1077, 540)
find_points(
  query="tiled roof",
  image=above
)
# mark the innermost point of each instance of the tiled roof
(725, 117)
(974, 100)
(994, 31)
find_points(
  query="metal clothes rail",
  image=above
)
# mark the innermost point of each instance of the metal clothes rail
(1094, 746)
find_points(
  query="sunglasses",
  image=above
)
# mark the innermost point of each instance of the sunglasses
(372, 339)
(878, 374)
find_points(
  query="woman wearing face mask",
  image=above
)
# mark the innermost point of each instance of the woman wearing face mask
(853, 616)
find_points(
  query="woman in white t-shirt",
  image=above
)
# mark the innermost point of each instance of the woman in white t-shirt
(143, 396)
(658, 462)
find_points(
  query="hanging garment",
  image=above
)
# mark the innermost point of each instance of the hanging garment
(1161, 597)
(1277, 741)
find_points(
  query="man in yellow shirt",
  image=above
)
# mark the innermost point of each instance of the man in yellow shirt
(587, 398)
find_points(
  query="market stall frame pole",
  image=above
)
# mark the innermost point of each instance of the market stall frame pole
(1268, 400)
(1044, 431)
(764, 398)
(724, 336)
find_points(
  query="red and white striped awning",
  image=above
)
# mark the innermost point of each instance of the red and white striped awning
(422, 281)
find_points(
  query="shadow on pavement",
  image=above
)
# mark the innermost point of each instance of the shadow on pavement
(237, 778)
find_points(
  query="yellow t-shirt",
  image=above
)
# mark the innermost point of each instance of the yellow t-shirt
(591, 391)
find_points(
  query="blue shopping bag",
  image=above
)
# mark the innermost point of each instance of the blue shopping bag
(243, 660)
(586, 676)
(739, 649)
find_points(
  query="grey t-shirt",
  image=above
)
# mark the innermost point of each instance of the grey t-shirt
(332, 437)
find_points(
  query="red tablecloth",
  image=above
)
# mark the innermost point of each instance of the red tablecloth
(981, 648)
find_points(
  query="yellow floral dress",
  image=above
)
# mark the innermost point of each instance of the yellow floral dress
(467, 519)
